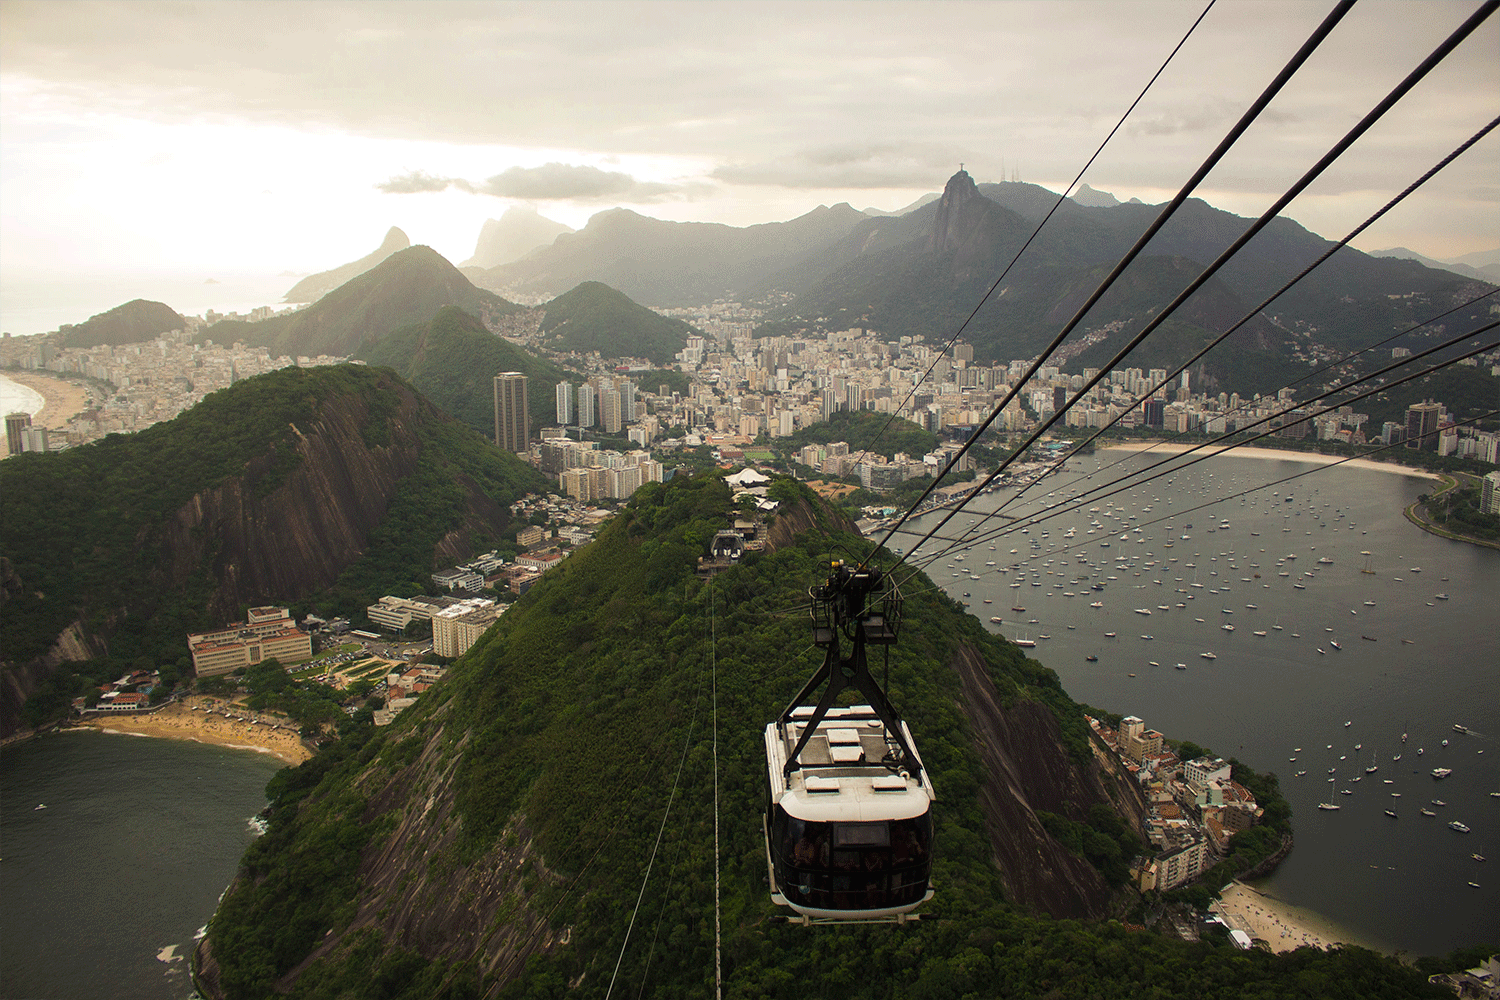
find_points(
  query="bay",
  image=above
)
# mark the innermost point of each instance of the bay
(1394, 883)
(106, 887)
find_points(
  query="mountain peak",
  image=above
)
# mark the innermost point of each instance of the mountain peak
(1091, 198)
(315, 286)
(394, 240)
(515, 234)
(959, 191)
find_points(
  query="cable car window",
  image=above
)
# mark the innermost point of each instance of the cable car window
(862, 835)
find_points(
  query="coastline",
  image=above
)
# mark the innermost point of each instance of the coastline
(61, 400)
(1282, 926)
(195, 721)
(1314, 458)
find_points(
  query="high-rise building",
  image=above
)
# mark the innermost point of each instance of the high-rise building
(512, 423)
(1422, 425)
(611, 410)
(1156, 409)
(15, 427)
(564, 403)
(1489, 497)
(586, 397)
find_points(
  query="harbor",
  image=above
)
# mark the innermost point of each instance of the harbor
(1342, 613)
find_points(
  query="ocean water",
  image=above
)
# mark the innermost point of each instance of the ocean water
(41, 305)
(1395, 883)
(15, 397)
(105, 889)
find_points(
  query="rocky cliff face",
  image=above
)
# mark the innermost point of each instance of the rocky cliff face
(296, 539)
(254, 543)
(1029, 770)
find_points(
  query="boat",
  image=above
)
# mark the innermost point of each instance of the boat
(1209, 656)
(1477, 856)
(1438, 802)
(1180, 666)
(1461, 729)
(1025, 643)
(1095, 659)
(1441, 772)
(1142, 611)
(1109, 635)
(1427, 812)
(1334, 644)
(1392, 814)
(1441, 597)
(1460, 827)
(1371, 638)
(996, 619)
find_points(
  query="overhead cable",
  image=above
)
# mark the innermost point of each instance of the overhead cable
(1233, 136)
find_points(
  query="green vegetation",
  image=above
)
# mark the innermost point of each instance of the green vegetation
(84, 528)
(403, 290)
(1105, 841)
(595, 317)
(865, 430)
(453, 360)
(1457, 510)
(131, 323)
(652, 381)
(574, 715)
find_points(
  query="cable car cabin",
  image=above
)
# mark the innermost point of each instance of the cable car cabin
(847, 838)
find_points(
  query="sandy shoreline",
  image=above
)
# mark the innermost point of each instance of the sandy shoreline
(1279, 924)
(1313, 458)
(189, 722)
(62, 400)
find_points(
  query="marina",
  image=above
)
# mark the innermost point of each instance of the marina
(1279, 682)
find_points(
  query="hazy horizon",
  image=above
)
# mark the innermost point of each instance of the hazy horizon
(189, 141)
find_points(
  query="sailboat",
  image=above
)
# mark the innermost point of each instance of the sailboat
(1372, 768)
(1330, 804)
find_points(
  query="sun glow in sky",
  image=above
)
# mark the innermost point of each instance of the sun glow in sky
(208, 140)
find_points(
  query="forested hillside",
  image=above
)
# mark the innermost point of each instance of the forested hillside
(496, 840)
(453, 361)
(327, 485)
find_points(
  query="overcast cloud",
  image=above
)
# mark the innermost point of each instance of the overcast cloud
(285, 135)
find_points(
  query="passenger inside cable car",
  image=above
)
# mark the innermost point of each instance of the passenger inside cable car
(881, 866)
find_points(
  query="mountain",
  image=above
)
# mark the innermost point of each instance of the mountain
(923, 273)
(327, 485)
(599, 754)
(595, 317)
(515, 234)
(135, 321)
(406, 288)
(1089, 198)
(1402, 253)
(452, 360)
(1482, 259)
(315, 286)
(676, 263)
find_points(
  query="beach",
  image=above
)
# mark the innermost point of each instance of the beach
(1279, 924)
(61, 400)
(202, 721)
(1163, 448)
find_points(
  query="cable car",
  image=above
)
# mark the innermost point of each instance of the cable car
(848, 821)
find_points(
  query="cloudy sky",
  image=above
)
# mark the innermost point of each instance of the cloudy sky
(210, 140)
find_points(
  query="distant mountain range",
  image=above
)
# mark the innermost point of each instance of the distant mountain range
(921, 274)
(662, 264)
(1484, 265)
(315, 286)
(515, 234)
